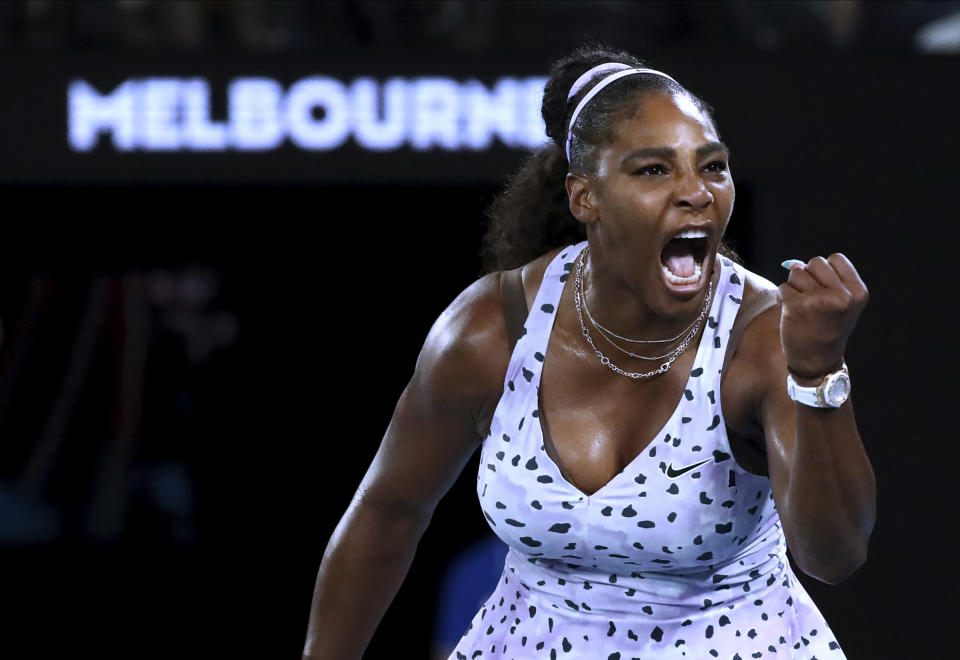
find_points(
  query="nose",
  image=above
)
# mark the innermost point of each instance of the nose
(692, 193)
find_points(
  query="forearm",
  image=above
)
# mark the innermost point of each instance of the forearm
(831, 495)
(363, 567)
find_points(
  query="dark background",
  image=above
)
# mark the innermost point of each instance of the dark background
(198, 366)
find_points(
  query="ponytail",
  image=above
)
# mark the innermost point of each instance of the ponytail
(532, 215)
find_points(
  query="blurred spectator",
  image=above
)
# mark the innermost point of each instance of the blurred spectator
(107, 388)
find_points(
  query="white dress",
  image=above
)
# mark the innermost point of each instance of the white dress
(665, 560)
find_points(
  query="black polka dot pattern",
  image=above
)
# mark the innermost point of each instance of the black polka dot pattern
(679, 556)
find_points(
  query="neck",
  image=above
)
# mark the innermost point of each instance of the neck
(623, 307)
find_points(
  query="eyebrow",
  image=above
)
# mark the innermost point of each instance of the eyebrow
(669, 153)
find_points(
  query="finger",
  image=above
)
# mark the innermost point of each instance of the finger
(801, 280)
(824, 274)
(788, 294)
(846, 272)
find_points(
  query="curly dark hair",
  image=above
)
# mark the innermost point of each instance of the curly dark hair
(532, 214)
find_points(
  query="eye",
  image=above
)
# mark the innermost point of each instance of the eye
(651, 170)
(716, 166)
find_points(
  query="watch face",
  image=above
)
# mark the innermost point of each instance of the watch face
(837, 390)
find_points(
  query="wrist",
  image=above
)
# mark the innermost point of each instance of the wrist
(830, 390)
(806, 381)
(813, 377)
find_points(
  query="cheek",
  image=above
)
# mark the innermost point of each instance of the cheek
(649, 201)
(725, 194)
(641, 217)
(634, 212)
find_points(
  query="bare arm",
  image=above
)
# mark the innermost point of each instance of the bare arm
(430, 438)
(822, 480)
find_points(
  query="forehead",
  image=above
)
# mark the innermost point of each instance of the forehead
(664, 120)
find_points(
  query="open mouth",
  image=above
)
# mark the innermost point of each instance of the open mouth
(681, 259)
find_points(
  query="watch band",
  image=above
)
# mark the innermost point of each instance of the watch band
(816, 396)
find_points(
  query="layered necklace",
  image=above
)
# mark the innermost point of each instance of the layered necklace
(685, 337)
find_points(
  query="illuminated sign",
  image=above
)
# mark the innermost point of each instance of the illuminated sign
(316, 113)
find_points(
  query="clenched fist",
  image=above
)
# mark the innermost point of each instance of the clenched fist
(822, 301)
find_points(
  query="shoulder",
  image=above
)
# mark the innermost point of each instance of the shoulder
(464, 359)
(467, 344)
(758, 310)
(761, 336)
(533, 273)
(756, 350)
(754, 285)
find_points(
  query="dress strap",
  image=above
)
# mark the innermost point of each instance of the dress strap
(514, 304)
(526, 357)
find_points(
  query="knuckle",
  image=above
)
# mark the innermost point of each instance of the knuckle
(828, 304)
(831, 304)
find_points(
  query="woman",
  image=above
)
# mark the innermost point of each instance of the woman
(647, 508)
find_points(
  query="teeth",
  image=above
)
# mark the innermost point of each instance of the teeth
(692, 233)
(673, 279)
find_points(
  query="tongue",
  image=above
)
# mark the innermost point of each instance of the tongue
(678, 258)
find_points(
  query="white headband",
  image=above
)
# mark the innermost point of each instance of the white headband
(621, 71)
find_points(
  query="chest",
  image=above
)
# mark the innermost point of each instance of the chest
(638, 475)
(596, 422)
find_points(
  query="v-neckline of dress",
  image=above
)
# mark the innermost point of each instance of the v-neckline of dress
(545, 437)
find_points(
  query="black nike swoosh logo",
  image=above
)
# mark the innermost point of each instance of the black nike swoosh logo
(673, 474)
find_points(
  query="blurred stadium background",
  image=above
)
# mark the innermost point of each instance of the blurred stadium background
(229, 226)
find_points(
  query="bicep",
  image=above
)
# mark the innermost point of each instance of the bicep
(433, 431)
(778, 417)
(761, 372)
(423, 451)
(776, 412)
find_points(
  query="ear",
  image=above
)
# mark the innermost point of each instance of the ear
(583, 200)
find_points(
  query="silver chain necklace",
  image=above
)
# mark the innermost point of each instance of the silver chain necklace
(623, 350)
(579, 299)
(607, 332)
